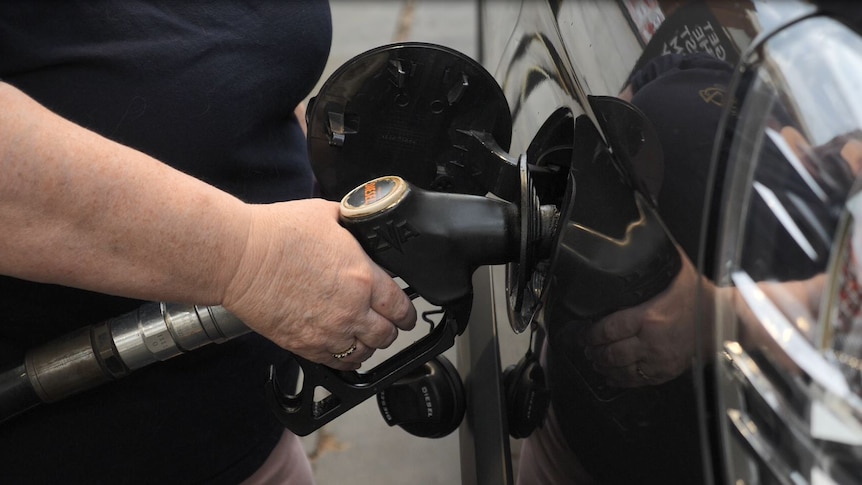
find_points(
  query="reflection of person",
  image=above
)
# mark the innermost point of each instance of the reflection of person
(655, 342)
(651, 346)
(620, 437)
(659, 331)
(93, 95)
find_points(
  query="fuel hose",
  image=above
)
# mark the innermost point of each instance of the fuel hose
(91, 356)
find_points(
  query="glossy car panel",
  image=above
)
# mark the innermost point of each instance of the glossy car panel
(772, 392)
(791, 388)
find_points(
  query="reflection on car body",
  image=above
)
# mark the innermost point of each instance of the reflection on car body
(753, 107)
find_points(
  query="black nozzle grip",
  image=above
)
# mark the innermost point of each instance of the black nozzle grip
(434, 241)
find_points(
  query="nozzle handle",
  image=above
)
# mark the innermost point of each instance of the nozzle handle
(303, 412)
(434, 241)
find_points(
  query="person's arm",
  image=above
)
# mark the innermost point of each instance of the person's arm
(80, 210)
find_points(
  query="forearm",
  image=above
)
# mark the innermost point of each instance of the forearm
(79, 210)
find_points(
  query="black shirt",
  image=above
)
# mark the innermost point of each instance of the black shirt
(209, 88)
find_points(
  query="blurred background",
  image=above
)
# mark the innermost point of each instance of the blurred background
(359, 448)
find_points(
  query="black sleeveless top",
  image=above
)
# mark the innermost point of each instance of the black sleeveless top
(209, 88)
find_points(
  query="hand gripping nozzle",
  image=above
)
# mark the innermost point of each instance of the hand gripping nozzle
(434, 242)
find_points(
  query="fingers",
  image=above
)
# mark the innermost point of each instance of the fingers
(350, 357)
(618, 354)
(615, 327)
(390, 302)
(378, 332)
(628, 363)
(390, 310)
(633, 375)
(621, 362)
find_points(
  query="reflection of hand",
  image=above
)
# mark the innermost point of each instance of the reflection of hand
(305, 283)
(650, 343)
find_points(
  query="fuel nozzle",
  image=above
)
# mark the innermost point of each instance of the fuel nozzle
(434, 241)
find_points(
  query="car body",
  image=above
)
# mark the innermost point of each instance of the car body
(757, 184)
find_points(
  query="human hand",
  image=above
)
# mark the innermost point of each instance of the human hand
(305, 283)
(650, 343)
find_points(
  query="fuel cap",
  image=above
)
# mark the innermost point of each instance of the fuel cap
(412, 110)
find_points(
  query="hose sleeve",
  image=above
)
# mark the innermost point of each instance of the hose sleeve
(16, 393)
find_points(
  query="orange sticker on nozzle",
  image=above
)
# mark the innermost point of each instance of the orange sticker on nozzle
(371, 192)
(373, 196)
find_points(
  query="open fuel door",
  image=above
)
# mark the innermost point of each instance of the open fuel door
(419, 111)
